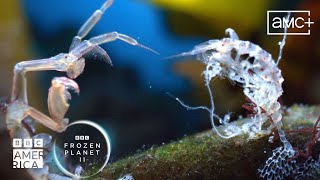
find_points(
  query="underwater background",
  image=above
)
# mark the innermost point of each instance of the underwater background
(130, 100)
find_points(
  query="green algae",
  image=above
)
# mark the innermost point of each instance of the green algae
(206, 155)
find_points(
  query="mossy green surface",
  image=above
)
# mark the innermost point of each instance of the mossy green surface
(207, 156)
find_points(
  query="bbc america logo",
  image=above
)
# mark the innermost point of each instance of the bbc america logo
(27, 153)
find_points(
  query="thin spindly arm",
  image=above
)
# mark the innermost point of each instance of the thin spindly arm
(89, 24)
(23, 67)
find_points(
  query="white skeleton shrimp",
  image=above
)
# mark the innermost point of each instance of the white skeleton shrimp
(252, 68)
(73, 64)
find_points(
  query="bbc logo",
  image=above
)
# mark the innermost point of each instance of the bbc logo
(81, 138)
(27, 143)
(27, 153)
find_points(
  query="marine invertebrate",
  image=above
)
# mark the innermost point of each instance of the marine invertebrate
(252, 68)
(73, 64)
(279, 165)
(294, 163)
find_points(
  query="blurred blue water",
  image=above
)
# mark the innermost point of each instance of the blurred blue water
(138, 19)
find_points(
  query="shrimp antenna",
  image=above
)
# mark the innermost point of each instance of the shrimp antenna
(283, 42)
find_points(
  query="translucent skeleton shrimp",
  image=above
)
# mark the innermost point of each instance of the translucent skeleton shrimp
(73, 64)
(252, 68)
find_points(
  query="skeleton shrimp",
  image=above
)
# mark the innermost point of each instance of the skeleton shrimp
(73, 64)
(249, 66)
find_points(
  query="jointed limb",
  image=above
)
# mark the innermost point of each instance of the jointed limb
(109, 37)
(58, 97)
(72, 63)
(93, 44)
(89, 24)
(21, 68)
(232, 34)
(57, 103)
(47, 121)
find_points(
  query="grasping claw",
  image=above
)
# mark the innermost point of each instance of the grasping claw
(73, 64)
(58, 97)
